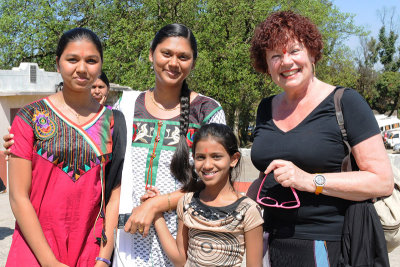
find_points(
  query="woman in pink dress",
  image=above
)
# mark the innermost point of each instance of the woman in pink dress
(65, 208)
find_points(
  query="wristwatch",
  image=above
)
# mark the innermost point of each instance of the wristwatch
(319, 181)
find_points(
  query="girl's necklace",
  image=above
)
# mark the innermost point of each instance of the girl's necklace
(73, 112)
(160, 106)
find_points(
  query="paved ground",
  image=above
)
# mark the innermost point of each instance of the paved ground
(7, 220)
(7, 223)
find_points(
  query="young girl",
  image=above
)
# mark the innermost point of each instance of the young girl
(216, 224)
(64, 149)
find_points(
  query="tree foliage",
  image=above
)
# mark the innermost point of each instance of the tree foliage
(224, 28)
(380, 88)
(388, 88)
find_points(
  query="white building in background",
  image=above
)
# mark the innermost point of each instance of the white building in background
(387, 123)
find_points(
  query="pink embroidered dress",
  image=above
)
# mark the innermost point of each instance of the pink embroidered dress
(67, 167)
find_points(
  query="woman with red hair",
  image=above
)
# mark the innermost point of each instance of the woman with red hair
(298, 147)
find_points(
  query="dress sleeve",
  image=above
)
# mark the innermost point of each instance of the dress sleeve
(359, 119)
(217, 114)
(113, 170)
(218, 117)
(253, 217)
(179, 207)
(23, 139)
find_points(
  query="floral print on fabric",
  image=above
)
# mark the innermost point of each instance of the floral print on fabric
(45, 127)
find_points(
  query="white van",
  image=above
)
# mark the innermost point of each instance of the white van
(393, 138)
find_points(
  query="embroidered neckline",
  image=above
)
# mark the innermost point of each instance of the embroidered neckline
(209, 213)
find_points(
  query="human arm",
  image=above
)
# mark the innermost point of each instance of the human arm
(175, 249)
(8, 142)
(145, 213)
(254, 246)
(111, 221)
(20, 182)
(375, 178)
(113, 174)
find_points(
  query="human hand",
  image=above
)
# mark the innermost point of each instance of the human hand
(141, 218)
(8, 142)
(103, 100)
(150, 193)
(289, 175)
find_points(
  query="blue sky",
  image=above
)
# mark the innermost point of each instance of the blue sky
(367, 16)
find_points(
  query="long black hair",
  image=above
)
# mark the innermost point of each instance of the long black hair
(224, 135)
(180, 166)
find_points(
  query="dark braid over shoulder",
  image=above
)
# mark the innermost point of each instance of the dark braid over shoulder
(185, 109)
(180, 166)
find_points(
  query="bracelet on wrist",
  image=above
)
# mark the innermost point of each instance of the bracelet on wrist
(103, 260)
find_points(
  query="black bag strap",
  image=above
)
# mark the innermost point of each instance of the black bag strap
(346, 162)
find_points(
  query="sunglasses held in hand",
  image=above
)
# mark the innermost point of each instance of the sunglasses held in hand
(271, 202)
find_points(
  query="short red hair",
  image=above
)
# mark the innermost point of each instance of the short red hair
(277, 30)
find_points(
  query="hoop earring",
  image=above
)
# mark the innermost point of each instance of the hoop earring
(313, 67)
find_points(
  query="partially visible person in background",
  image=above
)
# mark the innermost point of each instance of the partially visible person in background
(101, 88)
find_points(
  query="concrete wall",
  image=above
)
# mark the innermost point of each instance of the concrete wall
(19, 81)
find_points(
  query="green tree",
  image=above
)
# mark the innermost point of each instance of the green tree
(366, 68)
(224, 28)
(388, 87)
(30, 29)
(387, 50)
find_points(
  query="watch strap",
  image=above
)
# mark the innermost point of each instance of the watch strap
(319, 187)
(318, 190)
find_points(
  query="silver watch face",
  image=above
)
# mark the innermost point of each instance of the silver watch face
(319, 180)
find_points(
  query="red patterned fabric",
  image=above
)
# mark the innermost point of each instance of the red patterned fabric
(66, 208)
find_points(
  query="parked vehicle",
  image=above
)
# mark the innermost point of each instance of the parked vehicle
(393, 138)
(396, 148)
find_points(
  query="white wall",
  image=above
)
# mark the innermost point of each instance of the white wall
(18, 81)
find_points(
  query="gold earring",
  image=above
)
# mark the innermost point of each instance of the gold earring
(313, 67)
